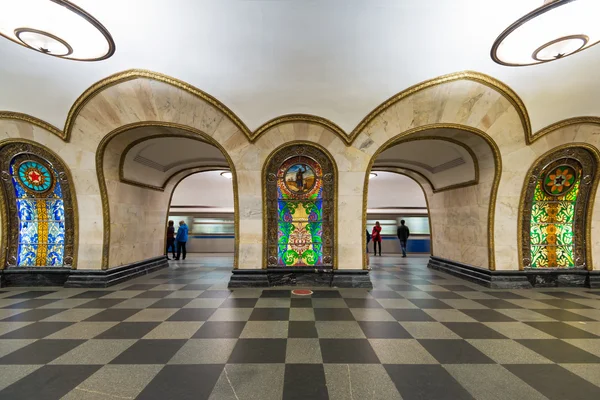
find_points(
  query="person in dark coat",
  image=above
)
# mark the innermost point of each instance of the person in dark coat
(170, 239)
(403, 234)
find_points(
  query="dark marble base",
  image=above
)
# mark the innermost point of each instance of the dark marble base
(517, 279)
(104, 278)
(302, 277)
(34, 276)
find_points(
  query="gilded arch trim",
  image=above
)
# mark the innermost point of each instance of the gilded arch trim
(563, 124)
(186, 135)
(590, 207)
(264, 172)
(398, 170)
(104, 193)
(348, 139)
(69, 196)
(493, 191)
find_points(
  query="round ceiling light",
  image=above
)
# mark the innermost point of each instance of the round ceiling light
(553, 31)
(227, 174)
(55, 27)
(372, 175)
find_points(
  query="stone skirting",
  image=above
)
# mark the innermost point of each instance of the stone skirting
(517, 279)
(105, 278)
(271, 277)
(84, 278)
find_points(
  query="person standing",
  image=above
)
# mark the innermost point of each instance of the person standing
(182, 237)
(170, 239)
(403, 234)
(376, 238)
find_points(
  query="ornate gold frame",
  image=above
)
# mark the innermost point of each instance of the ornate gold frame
(563, 124)
(493, 192)
(335, 194)
(391, 169)
(42, 152)
(590, 207)
(102, 182)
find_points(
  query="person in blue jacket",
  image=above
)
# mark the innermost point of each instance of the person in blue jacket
(181, 238)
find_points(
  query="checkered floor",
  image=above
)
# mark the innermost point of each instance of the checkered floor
(180, 334)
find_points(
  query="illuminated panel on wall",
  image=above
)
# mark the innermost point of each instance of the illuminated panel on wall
(552, 217)
(41, 214)
(300, 212)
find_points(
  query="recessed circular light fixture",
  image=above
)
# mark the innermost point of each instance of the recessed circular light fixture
(553, 31)
(58, 28)
(372, 175)
(227, 174)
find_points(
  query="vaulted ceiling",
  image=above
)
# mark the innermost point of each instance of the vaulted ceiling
(334, 58)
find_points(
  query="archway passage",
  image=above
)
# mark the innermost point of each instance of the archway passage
(459, 170)
(141, 167)
(300, 208)
(395, 196)
(204, 201)
(37, 208)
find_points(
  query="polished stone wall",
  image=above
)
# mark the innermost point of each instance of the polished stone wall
(461, 216)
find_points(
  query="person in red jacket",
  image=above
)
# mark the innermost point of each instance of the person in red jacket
(376, 238)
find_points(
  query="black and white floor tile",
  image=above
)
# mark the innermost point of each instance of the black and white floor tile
(181, 334)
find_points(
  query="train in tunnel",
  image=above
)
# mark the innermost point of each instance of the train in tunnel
(214, 232)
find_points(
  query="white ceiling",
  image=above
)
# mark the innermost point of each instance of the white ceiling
(194, 191)
(391, 190)
(334, 58)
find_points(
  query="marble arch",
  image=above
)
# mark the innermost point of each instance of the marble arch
(466, 98)
(457, 212)
(109, 158)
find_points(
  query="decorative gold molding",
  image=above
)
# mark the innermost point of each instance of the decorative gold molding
(308, 118)
(132, 74)
(394, 170)
(348, 139)
(186, 135)
(33, 121)
(4, 209)
(563, 124)
(590, 208)
(493, 191)
(449, 140)
(335, 194)
(104, 193)
(478, 77)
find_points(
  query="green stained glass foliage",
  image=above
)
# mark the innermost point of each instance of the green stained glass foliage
(552, 218)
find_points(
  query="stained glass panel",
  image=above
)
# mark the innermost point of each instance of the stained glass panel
(40, 213)
(552, 217)
(300, 213)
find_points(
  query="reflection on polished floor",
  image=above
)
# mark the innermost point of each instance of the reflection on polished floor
(181, 334)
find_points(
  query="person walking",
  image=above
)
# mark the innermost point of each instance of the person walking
(170, 239)
(376, 237)
(403, 234)
(367, 244)
(182, 237)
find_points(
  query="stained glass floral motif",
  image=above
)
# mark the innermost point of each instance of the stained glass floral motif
(41, 214)
(300, 212)
(552, 218)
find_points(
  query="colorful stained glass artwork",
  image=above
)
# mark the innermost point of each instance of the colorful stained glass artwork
(559, 180)
(34, 176)
(40, 213)
(552, 217)
(300, 213)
